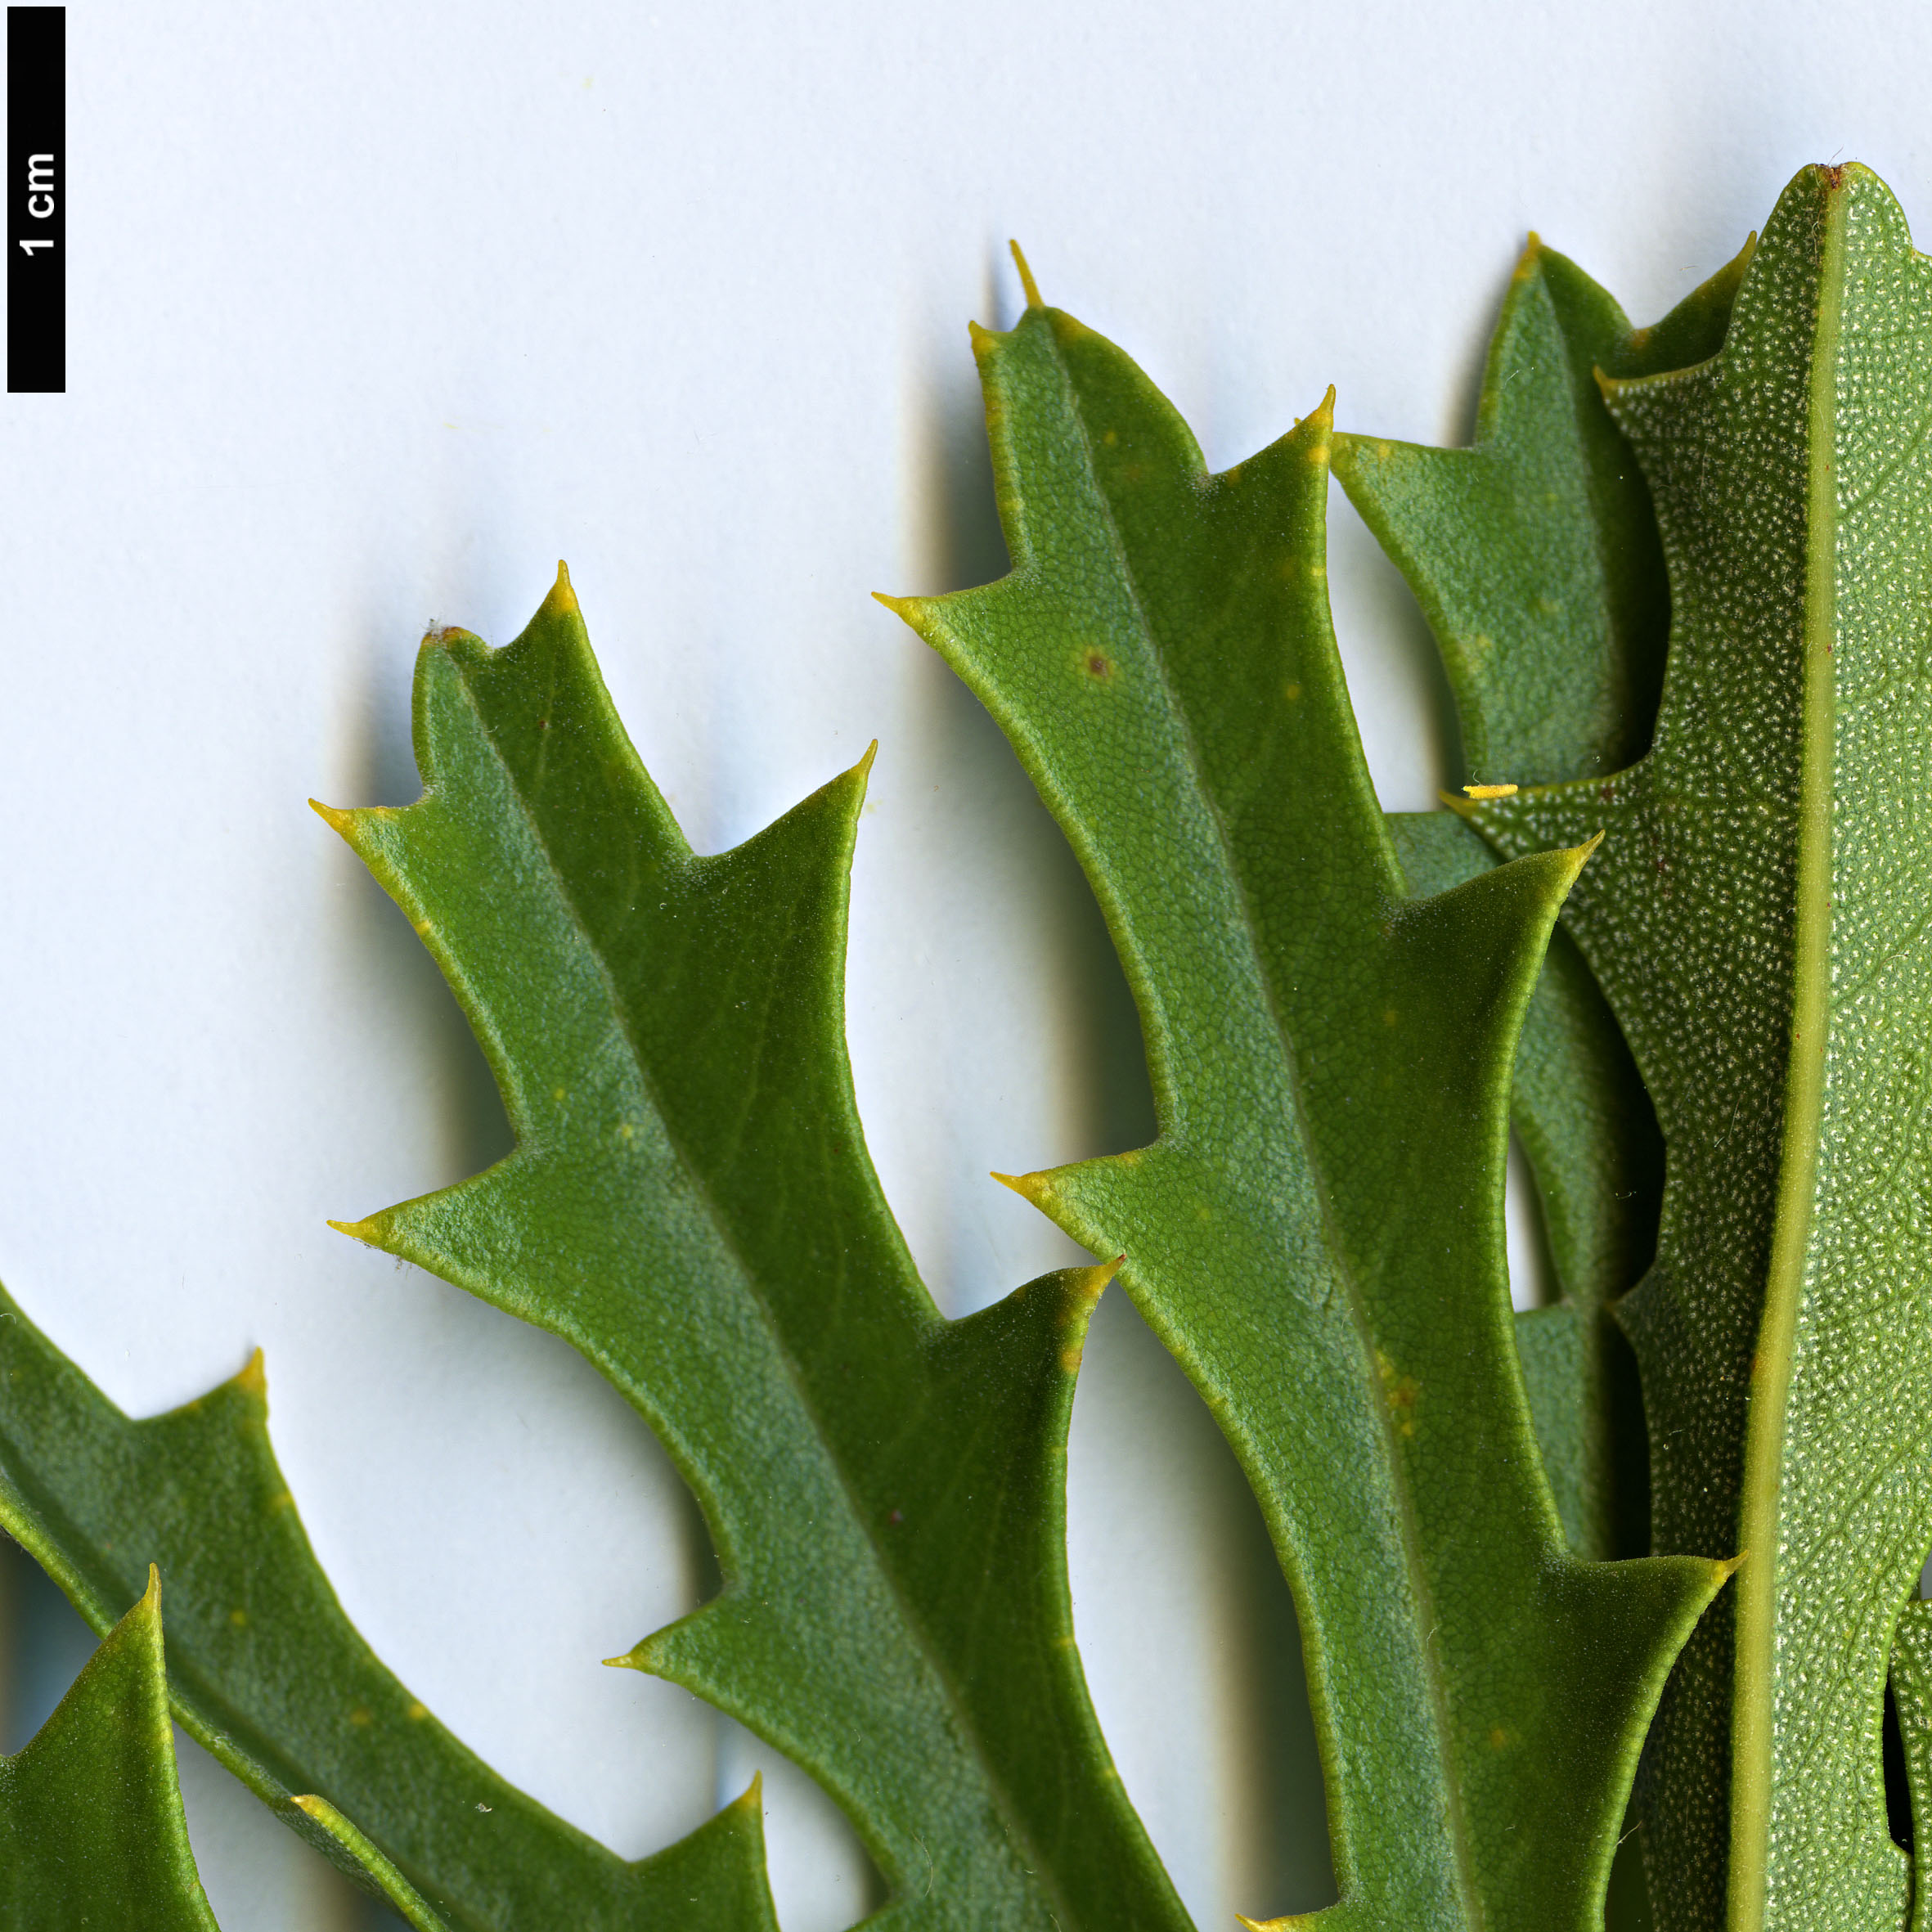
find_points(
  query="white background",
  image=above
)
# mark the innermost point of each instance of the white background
(377, 310)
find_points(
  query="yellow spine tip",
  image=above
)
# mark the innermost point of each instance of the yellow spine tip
(1029, 1187)
(150, 1597)
(1489, 791)
(254, 1377)
(1026, 280)
(864, 767)
(562, 600)
(316, 1808)
(900, 607)
(334, 817)
(356, 1230)
(1090, 1283)
(752, 1798)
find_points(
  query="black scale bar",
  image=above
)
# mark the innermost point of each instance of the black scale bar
(36, 200)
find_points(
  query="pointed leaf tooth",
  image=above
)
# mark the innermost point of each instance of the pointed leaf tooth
(1322, 1213)
(691, 1205)
(264, 1665)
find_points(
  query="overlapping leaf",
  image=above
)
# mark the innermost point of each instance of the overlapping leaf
(91, 1825)
(1755, 918)
(1534, 554)
(1317, 1233)
(268, 1673)
(690, 1203)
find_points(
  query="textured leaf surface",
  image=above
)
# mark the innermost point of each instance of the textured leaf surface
(91, 1826)
(1755, 918)
(690, 1203)
(1536, 556)
(1317, 1233)
(1911, 1688)
(1591, 1141)
(267, 1672)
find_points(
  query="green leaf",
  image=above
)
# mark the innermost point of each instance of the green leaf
(1911, 1690)
(90, 1825)
(1592, 1145)
(1317, 1232)
(1534, 554)
(1755, 919)
(267, 1672)
(690, 1203)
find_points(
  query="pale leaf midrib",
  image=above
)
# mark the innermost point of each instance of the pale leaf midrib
(1752, 1751)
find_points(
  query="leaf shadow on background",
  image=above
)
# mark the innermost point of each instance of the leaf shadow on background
(1163, 1528)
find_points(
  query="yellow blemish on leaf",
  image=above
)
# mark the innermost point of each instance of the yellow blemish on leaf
(1401, 1392)
(1498, 1738)
(1070, 1360)
(1388, 1016)
(1488, 791)
(557, 1093)
(1097, 666)
(417, 1712)
(239, 1618)
(625, 1131)
(1110, 437)
(281, 1499)
(1293, 693)
(360, 1717)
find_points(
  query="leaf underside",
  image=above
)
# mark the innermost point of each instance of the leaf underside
(1317, 1233)
(1754, 919)
(1535, 557)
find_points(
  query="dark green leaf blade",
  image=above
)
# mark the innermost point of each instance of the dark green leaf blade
(1535, 557)
(269, 1675)
(1535, 553)
(690, 1203)
(1754, 919)
(1591, 1141)
(90, 1825)
(1317, 1232)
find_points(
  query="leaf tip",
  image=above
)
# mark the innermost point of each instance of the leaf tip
(752, 1798)
(150, 1597)
(562, 600)
(1036, 1187)
(368, 1231)
(337, 820)
(1090, 1283)
(254, 1378)
(1500, 791)
(1026, 280)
